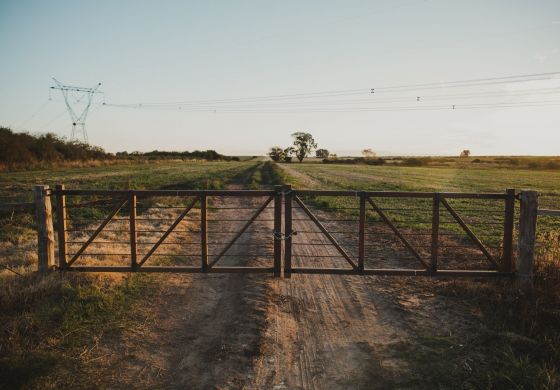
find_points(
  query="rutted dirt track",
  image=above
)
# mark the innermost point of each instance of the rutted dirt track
(308, 332)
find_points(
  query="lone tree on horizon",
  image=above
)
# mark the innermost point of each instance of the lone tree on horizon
(303, 144)
(368, 153)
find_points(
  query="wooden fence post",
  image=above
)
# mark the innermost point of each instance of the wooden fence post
(435, 233)
(204, 231)
(133, 233)
(45, 231)
(527, 237)
(362, 232)
(278, 230)
(288, 231)
(61, 226)
(507, 246)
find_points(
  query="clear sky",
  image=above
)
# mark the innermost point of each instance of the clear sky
(181, 53)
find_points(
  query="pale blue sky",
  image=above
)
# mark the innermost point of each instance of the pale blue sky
(177, 51)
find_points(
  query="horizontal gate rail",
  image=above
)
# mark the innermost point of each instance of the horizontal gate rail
(164, 236)
(325, 232)
(397, 233)
(240, 232)
(97, 231)
(468, 231)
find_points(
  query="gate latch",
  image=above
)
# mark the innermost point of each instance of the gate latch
(281, 236)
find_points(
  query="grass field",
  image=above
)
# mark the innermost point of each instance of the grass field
(521, 347)
(70, 311)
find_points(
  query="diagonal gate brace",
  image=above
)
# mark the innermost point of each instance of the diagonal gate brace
(245, 227)
(97, 231)
(397, 232)
(169, 231)
(468, 231)
(325, 232)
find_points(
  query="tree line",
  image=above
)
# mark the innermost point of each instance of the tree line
(24, 148)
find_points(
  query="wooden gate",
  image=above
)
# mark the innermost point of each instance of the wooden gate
(142, 222)
(424, 242)
(324, 232)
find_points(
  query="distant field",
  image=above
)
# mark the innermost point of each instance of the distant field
(17, 184)
(469, 179)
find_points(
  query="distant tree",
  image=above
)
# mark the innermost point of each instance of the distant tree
(303, 144)
(322, 153)
(288, 152)
(368, 153)
(276, 153)
(465, 153)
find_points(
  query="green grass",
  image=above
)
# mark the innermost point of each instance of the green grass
(47, 322)
(484, 217)
(16, 186)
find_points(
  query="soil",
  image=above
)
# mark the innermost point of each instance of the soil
(239, 331)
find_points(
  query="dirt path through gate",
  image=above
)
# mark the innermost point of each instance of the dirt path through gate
(230, 331)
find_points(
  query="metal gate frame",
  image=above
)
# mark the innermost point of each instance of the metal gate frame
(503, 266)
(198, 196)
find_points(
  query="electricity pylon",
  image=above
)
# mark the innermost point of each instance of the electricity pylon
(78, 94)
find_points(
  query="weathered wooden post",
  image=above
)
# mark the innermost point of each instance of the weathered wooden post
(288, 231)
(133, 233)
(435, 233)
(507, 245)
(45, 231)
(362, 232)
(277, 230)
(61, 225)
(527, 238)
(204, 231)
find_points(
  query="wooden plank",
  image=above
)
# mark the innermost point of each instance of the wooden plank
(507, 245)
(133, 234)
(242, 270)
(61, 226)
(182, 193)
(245, 227)
(469, 232)
(325, 232)
(204, 231)
(326, 271)
(549, 213)
(288, 197)
(435, 234)
(97, 231)
(168, 232)
(278, 231)
(527, 237)
(45, 231)
(23, 206)
(325, 193)
(397, 233)
(361, 232)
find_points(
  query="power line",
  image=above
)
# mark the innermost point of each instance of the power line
(349, 92)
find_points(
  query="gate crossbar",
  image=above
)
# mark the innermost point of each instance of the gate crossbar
(97, 231)
(239, 233)
(325, 232)
(468, 231)
(168, 232)
(397, 232)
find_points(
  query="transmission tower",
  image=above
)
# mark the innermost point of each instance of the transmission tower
(78, 101)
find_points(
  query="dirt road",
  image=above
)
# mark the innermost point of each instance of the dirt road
(255, 332)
